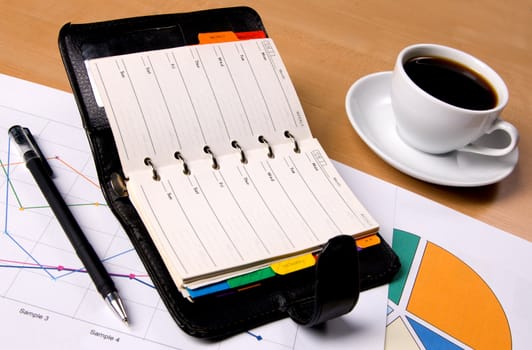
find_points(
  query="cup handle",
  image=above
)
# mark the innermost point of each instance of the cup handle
(487, 148)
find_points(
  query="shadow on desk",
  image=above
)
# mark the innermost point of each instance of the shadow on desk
(484, 195)
(336, 330)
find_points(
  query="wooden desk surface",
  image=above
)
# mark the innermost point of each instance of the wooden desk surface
(327, 45)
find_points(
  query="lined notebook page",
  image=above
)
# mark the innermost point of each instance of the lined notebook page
(213, 220)
(181, 99)
(240, 214)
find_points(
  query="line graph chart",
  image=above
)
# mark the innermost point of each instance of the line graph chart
(33, 249)
(44, 289)
(65, 271)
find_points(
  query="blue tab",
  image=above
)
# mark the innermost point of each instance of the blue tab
(211, 288)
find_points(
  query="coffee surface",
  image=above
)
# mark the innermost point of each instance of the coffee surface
(451, 82)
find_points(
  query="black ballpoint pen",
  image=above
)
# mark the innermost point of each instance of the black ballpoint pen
(42, 173)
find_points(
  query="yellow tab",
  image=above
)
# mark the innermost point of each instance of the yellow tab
(368, 241)
(216, 37)
(293, 264)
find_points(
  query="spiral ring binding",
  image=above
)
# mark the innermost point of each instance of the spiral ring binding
(243, 158)
(207, 150)
(296, 144)
(215, 164)
(270, 150)
(149, 163)
(186, 169)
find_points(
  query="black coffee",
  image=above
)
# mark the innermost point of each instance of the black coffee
(451, 82)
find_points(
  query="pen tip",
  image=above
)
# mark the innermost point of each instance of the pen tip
(115, 303)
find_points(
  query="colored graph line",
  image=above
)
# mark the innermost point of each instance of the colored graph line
(6, 167)
(14, 264)
(9, 183)
(27, 252)
(83, 176)
(256, 336)
(35, 264)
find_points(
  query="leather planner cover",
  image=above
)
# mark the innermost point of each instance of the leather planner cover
(309, 296)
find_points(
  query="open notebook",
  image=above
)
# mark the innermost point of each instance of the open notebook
(219, 159)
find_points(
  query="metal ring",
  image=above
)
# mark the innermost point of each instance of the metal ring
(270, 150)
(149, 163)
(186, 169)
(243, 158)
(296, 144)
(207, 150)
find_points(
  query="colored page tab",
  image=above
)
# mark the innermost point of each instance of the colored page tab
(221, 37)
(368, 241)
(213, 288)
(255, 34)
(217, 37)
(250, 277)
(294, 264)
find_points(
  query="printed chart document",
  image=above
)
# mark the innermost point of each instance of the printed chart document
(219, 159)
(463, 284)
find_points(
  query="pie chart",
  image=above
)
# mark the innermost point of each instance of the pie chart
(437, 301)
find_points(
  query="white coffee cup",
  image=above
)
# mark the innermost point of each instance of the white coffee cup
(432, 125)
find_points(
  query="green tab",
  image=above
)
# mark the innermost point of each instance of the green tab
(251, 277)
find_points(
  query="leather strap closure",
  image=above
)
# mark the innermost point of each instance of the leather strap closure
(336, 286)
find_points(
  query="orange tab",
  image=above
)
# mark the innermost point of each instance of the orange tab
(368, 241)
(216, 37)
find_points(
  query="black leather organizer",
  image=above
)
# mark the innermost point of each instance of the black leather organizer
(310, 296)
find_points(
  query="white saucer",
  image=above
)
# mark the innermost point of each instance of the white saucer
(369, 109)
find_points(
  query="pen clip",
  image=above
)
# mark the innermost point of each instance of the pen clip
(24, 139)
(37, 150)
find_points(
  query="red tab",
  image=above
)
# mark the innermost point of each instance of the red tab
(222, 37)
(256, 34)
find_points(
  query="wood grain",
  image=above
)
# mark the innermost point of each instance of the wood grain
(327, 45)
